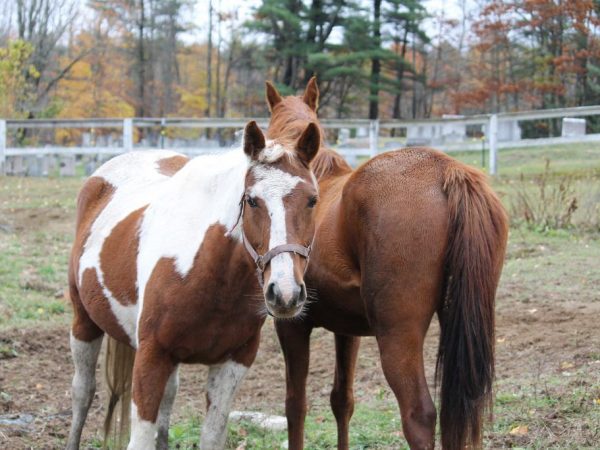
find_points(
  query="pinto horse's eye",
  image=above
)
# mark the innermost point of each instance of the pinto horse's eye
(312, 202)
(251, 202)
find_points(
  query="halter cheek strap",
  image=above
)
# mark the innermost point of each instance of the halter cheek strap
(262, 261)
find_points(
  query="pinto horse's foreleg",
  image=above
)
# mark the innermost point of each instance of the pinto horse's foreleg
(223, 383)
(294, 338)
(85, 356)
(402, 362)
(164, 412)
(342, 396)
(152, 370)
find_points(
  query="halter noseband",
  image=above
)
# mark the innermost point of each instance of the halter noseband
(261, 261)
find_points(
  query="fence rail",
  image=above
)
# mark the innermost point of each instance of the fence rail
(448, 133)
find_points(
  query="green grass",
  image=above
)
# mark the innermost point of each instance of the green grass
(573, 159)
(372, 427)
(32, 278)
(37, 216)
(546, 411)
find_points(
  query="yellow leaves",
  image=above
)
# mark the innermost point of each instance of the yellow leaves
(519, 430)
(14, 89)
(566, 365)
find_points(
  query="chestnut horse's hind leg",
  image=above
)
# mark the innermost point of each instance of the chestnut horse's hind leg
(342, 396)
(294, 338)
(164, 412)
(402, 361)
(85, 356)
(223, 382)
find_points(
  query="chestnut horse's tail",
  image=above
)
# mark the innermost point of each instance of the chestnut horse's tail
(118, 371)
(477, 234)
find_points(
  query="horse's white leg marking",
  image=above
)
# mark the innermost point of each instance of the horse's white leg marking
(223, 383)
(164, 413)
(85, 356)
(143, 432)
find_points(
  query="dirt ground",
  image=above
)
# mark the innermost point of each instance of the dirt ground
(541, 338)
(39, 378)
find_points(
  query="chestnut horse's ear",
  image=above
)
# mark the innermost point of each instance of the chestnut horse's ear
(273, 96)
(311, 94)
(309, 143)
(254, 140)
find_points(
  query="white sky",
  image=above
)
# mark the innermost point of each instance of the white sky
(199, 14)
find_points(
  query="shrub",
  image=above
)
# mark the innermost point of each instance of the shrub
(545, 201)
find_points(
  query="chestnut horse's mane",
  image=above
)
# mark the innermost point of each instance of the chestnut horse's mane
(289, 119)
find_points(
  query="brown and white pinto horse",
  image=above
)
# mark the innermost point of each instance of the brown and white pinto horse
(408, 234)
(163, 263)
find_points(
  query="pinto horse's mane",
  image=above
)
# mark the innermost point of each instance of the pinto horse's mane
(289, 119)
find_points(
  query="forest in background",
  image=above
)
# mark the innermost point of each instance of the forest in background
(373, 58)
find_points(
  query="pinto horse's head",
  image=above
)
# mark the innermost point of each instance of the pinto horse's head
(278, 214)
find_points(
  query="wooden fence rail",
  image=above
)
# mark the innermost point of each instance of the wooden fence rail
(447, 133)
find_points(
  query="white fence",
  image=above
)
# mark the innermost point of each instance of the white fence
(448, 133)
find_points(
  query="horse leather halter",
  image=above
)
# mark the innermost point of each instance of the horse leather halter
(262, 261)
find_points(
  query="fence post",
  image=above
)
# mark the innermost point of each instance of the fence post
(373, 137)
(128, 134)
(3, 140)
(493, 140)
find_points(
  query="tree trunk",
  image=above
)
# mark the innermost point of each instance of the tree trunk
(375, 62)
(397, 112)
(140, 110)
(209, 63)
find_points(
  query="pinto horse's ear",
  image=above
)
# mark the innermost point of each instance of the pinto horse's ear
(254, 140)
(273, 96)
(309, 143)
(311, 94)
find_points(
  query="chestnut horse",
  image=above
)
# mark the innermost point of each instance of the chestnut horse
(164, 262)
(408, 234)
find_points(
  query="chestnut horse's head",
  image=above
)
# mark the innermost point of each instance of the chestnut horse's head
(278, 214)
(291, 114)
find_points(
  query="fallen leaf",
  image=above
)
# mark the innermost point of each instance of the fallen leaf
(520, 430)
(566, 365)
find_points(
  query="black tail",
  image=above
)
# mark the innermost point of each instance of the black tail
(478, 229)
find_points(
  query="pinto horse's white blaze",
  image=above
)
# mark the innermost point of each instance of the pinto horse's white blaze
(272, 185)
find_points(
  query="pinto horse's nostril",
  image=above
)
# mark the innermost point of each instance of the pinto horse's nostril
(303, 295)
(273, 294)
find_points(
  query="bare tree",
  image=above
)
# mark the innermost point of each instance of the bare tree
(44, 24)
